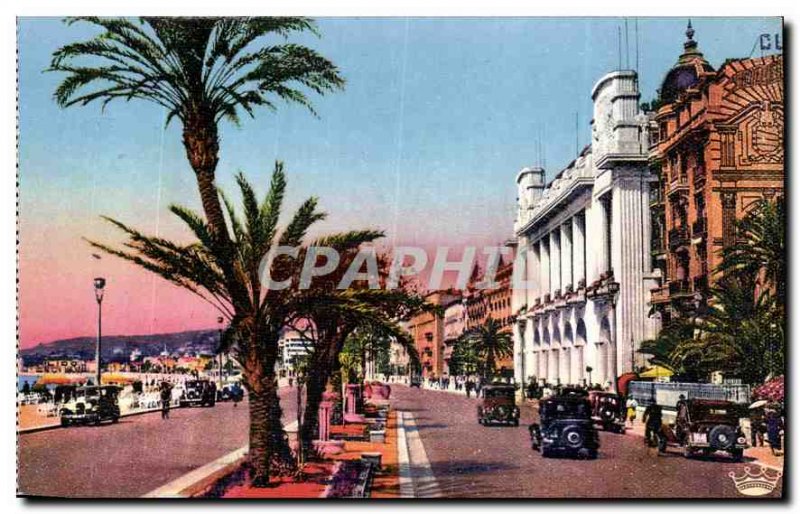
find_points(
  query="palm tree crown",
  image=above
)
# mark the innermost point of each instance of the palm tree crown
(490, 344)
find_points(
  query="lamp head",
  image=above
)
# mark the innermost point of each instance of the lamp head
(99, 285)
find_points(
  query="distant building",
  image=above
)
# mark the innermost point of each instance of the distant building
(717, 148)
(65, 366)
(455, 324)
(293, 346)
(427, 329)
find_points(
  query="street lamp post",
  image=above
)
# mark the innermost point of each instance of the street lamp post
(220, 320)
(99, 289)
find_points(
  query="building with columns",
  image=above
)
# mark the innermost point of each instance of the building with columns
(582, 276)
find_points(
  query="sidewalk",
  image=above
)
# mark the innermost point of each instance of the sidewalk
(385, 483)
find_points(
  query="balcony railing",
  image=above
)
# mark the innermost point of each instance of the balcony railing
(679, 288)
(678, 184)
(660, 294)
(678, 237)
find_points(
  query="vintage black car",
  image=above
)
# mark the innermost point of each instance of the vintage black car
(199, 392)
(706, 426)
(565, 427)
(416, 381)
(498, 406)
(91, 405)
(230, 393)
(608, 411)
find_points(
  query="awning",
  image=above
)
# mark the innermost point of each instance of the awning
(656, 372)
(60, 379)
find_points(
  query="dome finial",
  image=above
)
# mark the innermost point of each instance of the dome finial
(689, 30)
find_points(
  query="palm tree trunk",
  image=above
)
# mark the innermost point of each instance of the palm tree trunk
(201, 141)
(269, 454)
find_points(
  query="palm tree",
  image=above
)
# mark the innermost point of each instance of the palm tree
(738, 333)
(201, 70)
(490, 345)
(253, 333)
(761, 246)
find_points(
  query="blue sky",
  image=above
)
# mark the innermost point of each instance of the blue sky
(437, 117)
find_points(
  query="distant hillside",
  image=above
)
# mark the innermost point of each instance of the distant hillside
(119, 348)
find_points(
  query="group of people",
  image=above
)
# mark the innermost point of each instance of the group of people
(535, 391)
(767, 421)
(467, 383)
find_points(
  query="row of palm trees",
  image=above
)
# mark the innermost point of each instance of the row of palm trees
(742, 329)
(204, 71)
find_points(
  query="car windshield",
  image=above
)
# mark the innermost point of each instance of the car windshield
(565, 410)
(498, 393)
(90, 392)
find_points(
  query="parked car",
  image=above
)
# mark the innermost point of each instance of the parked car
(416, 381)
(565, 426)
(199, 392)
(497, 405)
(706, 426)
(608, 411)
(230, 392)
(91, 405)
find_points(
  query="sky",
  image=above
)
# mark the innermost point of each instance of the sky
(437, 117)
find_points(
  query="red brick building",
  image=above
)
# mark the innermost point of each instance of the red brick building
(494, 303)
(427, 329)
(716, 148)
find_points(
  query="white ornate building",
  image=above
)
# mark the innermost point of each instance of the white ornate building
(583, 244)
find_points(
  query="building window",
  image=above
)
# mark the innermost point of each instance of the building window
(728, 218)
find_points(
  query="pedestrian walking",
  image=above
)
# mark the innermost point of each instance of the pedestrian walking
(774, 428)
(469, 386)
(631, 405)
(166, 397)
(653, 418)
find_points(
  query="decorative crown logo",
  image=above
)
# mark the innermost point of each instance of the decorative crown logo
(756, 483)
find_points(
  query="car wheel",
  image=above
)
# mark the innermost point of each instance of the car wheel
(737, 454)
(64, 422)
(592, 454)
(573, 437)
(516, 422)
(546, 452)
(688, 452)
(115, 419)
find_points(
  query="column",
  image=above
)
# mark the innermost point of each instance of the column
(544, 268)
(604, 260)
(578, 250)
(566, 366)
(566, 255)
(555, 261)
(519, 353)
(533, 273)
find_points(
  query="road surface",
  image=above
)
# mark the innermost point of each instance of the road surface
(135, 456)
(469, 460)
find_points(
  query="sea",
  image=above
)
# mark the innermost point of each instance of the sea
(30, 379)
